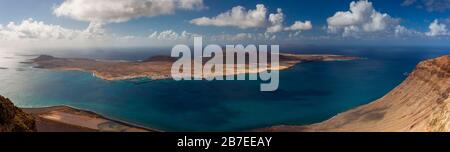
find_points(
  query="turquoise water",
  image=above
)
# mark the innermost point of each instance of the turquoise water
(308, 93)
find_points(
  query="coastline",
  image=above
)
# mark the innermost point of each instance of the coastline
(70, 119)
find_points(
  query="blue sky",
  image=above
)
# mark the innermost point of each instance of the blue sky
(413, 17)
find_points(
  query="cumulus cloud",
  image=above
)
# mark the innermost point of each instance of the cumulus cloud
(184, 36)
(257, 18)
(276, 24)
(276, 21)
(429, 5)
(238, 16)
(32, 34)
(401, 31)
(361, 18)
(437, 29)
(298, 25)
(101, 12)
(121, 10)
(31, 29)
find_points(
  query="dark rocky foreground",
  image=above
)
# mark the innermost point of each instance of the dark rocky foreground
(13, 119)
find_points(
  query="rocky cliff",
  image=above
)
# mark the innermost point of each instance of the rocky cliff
(13, 119)
(420, 103)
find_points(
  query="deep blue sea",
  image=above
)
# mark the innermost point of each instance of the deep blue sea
(308, 93)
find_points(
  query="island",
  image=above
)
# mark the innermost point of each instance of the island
(157, 67)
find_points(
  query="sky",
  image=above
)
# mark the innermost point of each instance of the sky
(129, 23)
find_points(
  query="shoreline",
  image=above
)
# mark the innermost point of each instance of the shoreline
(64, 118)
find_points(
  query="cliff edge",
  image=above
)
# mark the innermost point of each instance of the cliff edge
(420, 104)
(13, 119)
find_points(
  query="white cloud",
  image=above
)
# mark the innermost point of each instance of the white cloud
(361, 18)
(184, 36)
(298, 25)
(31, 29)
(95, 28)
(170, 35)
(32, 34)
(437, 29)
(276, 22)
(295, 34)
(101, 12)
(121, 10)
(240, 37)
(238, 16)
(401, 31)
(191, 4)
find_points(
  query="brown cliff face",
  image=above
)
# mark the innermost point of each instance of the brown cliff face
(13, 119)
(421, 103)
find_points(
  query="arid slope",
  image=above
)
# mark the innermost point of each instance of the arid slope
(421, 103)
(13, 119)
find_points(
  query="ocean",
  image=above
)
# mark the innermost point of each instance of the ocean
(308, 93)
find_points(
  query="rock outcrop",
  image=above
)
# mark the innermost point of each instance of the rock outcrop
(420, 104)
(13, 119)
